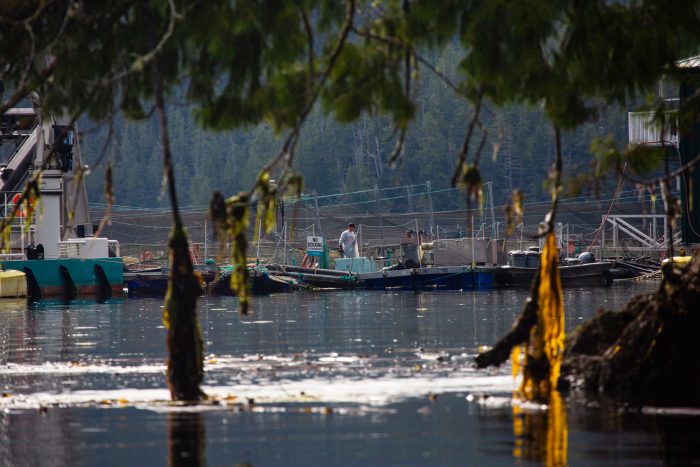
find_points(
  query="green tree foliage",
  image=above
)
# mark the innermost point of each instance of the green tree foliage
(274, 67)
(335, 157)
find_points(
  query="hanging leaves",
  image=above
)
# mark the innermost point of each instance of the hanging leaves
(28, 203)
(230, 216)
(265, 194)
(514, 211)
(108, 193)
(24, 206)
(470, 180)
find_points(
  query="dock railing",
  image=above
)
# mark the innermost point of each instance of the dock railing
(645, 235)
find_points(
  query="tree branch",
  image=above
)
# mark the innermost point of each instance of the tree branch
(462, 156)
(482, 143)
(518, 335)
(418, 57)
(27, 21)
(140, 62)
(398, 148)
(664, 178)
(555, 180)
(310, 39)
(287, 149)
(26, 87)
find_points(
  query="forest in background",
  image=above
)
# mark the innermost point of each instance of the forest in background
(335, 157)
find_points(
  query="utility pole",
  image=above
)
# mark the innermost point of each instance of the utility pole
(318, 214)
(379, 211)
(410, 198)
(489, 187)
(431, 220)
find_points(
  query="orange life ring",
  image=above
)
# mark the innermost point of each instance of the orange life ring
(25, 208)
(307, 262)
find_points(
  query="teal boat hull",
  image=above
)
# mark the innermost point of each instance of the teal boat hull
(71, 277)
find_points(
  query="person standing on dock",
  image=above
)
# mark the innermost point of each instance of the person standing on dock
(348, 242)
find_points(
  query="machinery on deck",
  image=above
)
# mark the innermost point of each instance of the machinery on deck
(57, 250)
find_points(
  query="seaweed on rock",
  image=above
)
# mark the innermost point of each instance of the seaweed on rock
(646, 354)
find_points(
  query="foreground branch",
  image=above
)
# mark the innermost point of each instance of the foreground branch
(518, 335)
(184, 341)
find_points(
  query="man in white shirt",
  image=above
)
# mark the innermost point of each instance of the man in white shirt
(348, 242)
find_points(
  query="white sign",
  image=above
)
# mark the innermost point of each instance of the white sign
(314, 243)
(51, 185)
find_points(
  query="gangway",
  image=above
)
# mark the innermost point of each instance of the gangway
(628, 234)
(17, 166)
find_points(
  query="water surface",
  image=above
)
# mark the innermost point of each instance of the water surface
(344, 378)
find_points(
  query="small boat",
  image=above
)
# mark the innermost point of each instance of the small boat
(628, 268)
(574, 272)
(260, 279)
(452, 264)
(438, 277)
(13, 284)
(316, 277)
(216, 281)
(152, 283)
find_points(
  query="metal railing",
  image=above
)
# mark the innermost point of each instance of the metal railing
(643, 130)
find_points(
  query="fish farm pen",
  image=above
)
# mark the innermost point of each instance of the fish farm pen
(609, 226)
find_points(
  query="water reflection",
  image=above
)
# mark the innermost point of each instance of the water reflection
(541, 435)
(372, 357)
(679, 440)
(25, 438)
(186, 440)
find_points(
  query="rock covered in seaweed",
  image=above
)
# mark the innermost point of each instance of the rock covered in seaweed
(646, 354)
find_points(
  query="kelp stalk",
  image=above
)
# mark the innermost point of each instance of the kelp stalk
(542, 360)
(541, 323)
(184, 340)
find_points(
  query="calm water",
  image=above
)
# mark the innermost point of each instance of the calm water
(348, 378)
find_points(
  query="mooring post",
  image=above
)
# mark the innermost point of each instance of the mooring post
(472, 240)
(602, 239)
(359, 241)
(206, 251)
(284, 243)
(257, 253)
(417, 234)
